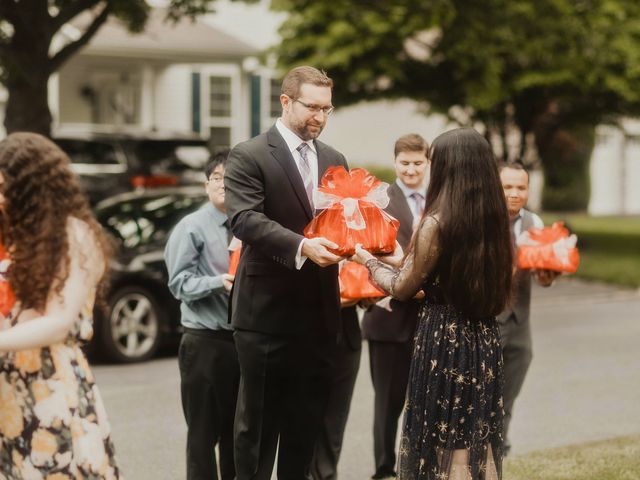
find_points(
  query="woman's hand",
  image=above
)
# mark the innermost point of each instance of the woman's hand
(361, 256)
(394, 259)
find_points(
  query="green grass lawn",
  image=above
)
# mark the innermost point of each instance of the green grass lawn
(616, 459)
(609, 247)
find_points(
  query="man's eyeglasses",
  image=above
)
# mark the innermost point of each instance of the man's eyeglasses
(215, 179)
(316, 108)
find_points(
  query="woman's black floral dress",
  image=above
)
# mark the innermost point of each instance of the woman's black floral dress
(452, 426)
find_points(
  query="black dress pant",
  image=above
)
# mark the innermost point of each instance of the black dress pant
(329, 443)
(390, 363)
(284, 387)
(209, 377)
(517, 354)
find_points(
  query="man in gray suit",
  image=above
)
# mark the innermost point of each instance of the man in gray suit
(285, 304)
(515, 329)
(390, 333)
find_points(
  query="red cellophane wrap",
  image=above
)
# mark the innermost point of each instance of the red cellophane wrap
(353, 212)
(235, 247)
(548, 248)
(355, 284)
(7, 297)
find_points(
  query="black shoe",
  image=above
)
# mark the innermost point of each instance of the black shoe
(505, 450)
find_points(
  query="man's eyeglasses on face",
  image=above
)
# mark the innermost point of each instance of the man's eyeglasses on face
(215, 179)
(315, 108)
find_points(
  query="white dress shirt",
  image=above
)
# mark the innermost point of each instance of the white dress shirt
(293, 141)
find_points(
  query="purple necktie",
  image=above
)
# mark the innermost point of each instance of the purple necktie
(305, 171)
(418, 205)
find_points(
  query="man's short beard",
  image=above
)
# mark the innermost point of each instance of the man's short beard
(305, 134)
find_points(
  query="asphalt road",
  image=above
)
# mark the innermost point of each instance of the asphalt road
(583, 385)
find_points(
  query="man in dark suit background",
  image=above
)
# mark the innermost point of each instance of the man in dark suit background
(285, 300)
(390, 333)
(515, 329)
(329, 443)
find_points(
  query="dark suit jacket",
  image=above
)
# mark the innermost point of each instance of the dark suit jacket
(268, 210)
(521, 301)
(398, 325)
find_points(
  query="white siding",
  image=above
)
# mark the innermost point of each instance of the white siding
(173, 98)
(606, 161)
(73, 107)
(366, 132)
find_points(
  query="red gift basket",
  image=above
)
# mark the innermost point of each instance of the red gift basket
(235, 248)
(548, 248)
(353, 204)
(355, 283)
(7, 297)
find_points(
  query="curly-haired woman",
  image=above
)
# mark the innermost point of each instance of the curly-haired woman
(52, 420)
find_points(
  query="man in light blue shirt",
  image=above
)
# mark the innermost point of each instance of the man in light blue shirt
(197, 261)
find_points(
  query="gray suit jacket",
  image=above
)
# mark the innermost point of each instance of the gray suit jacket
(521, 301)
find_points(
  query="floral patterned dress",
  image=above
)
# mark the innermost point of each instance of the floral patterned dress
(53, 425)
(452, 427)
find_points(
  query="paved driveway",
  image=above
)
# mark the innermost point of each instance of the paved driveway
(583, 385)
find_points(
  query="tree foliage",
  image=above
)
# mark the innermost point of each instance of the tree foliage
(27, 32)
(545, 72)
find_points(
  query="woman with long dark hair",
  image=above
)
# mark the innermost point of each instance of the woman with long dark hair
(461, 259)
(52, 420)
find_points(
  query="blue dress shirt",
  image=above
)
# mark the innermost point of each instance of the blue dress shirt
(196, 256)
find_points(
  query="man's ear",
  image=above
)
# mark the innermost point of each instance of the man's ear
(285, 101)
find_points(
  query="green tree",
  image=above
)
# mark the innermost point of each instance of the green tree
(27, 30)
(543, 71)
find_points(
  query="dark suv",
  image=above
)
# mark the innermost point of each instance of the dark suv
(109, 161)
(142, 313)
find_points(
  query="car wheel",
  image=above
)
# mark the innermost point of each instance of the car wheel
(131, 332)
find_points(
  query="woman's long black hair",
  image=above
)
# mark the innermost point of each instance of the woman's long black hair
(465, 193)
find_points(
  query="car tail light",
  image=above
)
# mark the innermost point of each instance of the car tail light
(153, 181)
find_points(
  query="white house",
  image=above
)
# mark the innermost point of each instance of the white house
(183, 77)
(204, 77)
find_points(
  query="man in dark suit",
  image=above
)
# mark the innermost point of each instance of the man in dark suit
(329, 443)
(390, 333)
(285, 300)
(515, 329)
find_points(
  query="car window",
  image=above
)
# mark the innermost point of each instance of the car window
(93, 152)
(147, 220)
(162, 156)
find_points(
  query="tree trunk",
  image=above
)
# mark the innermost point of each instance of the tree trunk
(565, 151)
(27, 104)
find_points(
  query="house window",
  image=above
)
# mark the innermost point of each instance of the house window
(219, 137)
(224, 117)
(219, 96)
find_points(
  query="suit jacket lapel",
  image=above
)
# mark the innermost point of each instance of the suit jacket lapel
(402, 212)
(323, 160)
(396, 195)
(283, 156)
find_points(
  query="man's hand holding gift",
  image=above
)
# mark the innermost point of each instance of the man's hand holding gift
(545, 277)
(318, 250)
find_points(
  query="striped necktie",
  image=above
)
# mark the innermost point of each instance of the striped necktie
(305, 171)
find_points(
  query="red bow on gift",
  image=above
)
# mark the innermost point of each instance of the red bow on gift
(548, 248)
(353, 203)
